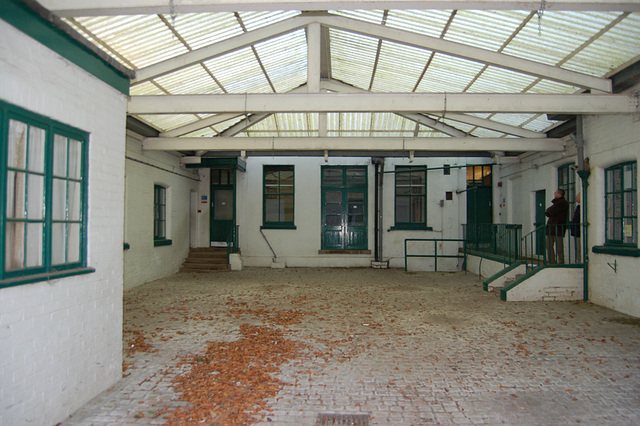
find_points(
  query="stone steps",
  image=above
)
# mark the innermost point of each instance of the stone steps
(206, 260)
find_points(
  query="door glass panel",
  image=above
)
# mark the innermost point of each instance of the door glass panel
(333, 197)
(332, 176)
(223, 208)
(333, 208)
(356, 220)
(333, 220)
(356, 176)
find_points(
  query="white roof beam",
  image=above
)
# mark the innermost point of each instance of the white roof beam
(229, 45)
(469, 52)
(198, 125)
(352, 144)
(486, 123)
(68, 8)
(243, 125)
(385, 102)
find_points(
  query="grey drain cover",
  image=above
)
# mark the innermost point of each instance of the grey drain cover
(343, 419)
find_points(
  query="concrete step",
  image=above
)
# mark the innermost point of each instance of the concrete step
(205, 260)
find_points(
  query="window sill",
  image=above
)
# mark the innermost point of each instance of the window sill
(410, 228)
(617, 250)
(46, 276)
(278, 227)
(158, 243)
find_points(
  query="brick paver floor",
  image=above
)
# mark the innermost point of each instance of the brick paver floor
(404, 348)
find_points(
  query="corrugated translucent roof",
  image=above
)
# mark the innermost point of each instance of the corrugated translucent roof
(592, 43)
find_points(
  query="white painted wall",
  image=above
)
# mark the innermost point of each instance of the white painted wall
(299, 247)
(142, 261)
(61, 341)
(549, 285)
(610, 140)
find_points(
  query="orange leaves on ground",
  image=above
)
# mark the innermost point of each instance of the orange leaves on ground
(230, 381)
(138, 343)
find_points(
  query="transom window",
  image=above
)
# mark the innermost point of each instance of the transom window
(622, 204)
(410, 197)
(279, 192)
(44, 199)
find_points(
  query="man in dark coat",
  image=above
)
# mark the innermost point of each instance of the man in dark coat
(575, 229)
(558, 214)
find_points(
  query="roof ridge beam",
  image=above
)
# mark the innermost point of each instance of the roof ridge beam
(222, 47)
(472, 53)
(353, 144)
(442, 103)
(68, 8)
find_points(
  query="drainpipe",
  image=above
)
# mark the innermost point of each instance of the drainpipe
(583, 172)
(378, 162)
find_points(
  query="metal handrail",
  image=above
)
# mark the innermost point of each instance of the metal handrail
(435, 247)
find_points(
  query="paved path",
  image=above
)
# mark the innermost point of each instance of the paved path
(406, 349)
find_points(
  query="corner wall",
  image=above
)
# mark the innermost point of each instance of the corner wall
(61, 340)
(143, 262)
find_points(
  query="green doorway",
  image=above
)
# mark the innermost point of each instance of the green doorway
(222, 217)
(541, 197)
(344, 208)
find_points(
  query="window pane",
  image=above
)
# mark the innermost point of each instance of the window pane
(271, 189)
(356, 176)
(617, 176)
(287, 202)
(59, 156)
(403, 190)
(355, 208)
(402, 209)
(333, 197)
(58, 243)
(74, 200)
(272, 208)
(270, 176)
(333, 208)
(417, 210)
(617, 205)
(417, 190)
(333, 220)
(15, 194)
(14, 247)
(36, 149)
(75, 159)
(403, 179)
(628, 176)
(17, 145)
(417, 178)
(609, 178)
(356, 220)
(35, 202)
(617, 229)
(34, 244)
(286, 177)
(73, 242)
(332, 176)
(610, 229)
(59, 202)
(355, 196)
(610, 204)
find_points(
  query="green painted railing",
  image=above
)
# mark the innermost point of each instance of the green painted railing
(498, 239)
(435, 254)
(232, 241)
(535, 246)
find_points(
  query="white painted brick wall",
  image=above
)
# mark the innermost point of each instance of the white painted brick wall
(61, 341)
(143, 262)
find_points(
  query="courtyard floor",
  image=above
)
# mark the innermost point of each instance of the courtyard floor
(395, 348)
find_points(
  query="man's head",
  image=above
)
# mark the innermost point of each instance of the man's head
(559, 193)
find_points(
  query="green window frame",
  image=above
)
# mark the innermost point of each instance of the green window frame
(621, 204)
(410, 203)
(567, 182)
(43, 227)
(160, 216)
(278, 197)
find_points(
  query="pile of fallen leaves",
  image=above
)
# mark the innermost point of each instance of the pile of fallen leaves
(138, 344)
(230, 382)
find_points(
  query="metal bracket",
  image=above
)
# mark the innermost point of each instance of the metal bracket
(614, 266)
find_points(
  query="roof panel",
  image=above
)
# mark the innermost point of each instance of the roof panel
(147, 88)
(448, 74)
(255, 20)
(239, 72)
(399, 67)
(498, 80)
(371, 16)
(427, 22)
(285, 59)
(352, 57)
(484, 29)
(203, 29)
(188, 81)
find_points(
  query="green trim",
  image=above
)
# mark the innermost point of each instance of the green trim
(346, 251)
(280, 194)
(411, 227)
(159, 243)
(126, 246)
(624, 193)
(492, 278)
(220, 163)
(490, 256)
(617, 250)
(505, 290)
(51, 35)
(278, 226)
(47, 276)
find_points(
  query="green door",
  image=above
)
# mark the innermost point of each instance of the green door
(541, 197)
(344, 208)
(222, 215)
(479, 204)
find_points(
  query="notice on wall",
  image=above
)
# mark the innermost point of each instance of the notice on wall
(628, 231)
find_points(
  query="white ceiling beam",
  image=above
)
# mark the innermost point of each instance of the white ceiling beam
(68, 8)
(244, 124)
(385, 102)
(468, 52)
(352, 144)
(220, 48)
(314, 33)
(486, 123)
(198, 125)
